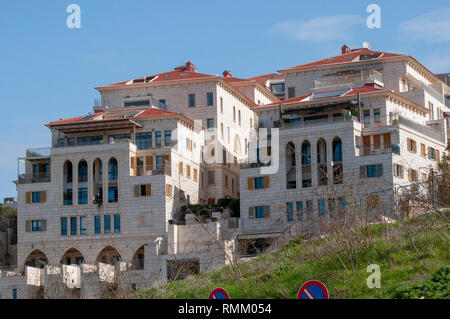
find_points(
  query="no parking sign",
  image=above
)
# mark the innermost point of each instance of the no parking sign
(219, 293)
(313, 289)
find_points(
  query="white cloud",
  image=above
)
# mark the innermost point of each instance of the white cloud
(320, 29)
(431, 27)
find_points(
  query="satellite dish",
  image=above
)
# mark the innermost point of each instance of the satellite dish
(366, 45)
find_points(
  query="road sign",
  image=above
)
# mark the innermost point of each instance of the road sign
(313, 289)
(219, 293)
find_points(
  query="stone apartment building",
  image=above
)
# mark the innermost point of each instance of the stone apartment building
(398, 134)
(110, 188)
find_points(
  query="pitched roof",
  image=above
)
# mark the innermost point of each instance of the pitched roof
(186, 72)
(355, 55)
(262, 79)
(115, 116)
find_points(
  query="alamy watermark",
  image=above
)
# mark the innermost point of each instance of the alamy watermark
(374, 19)
(74, 19)
(374, 279)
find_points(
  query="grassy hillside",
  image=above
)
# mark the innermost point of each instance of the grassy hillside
(411, 267)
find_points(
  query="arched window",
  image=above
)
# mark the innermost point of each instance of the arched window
(322, 162)
(306, 153)
(291, 174)
(112, 169)
(82, 171)
(68, 172)
(337, 150)
(97, 180)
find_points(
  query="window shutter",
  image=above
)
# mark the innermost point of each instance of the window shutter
(250, 183)
(148, 189)
(44, 225)
(266, 181)
(43, 196)
(142, 218)
(409, 174)
(149, 163)
(28, 226)
(387, 140)
(137, 191)
(408, 142)
(28, 197)
(437, 156)
(380, 170)
(266, 211)
(429, 152)
(190, 145)
(251, 212)
(422, 149)
(362, 171)
(195, 174)
(180, 168)
(134, 164)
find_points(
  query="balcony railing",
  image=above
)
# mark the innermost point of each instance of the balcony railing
(376, 149)
(41, 152)
(287, 123)
(34, 178)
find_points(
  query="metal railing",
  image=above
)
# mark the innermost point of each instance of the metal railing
(34, 178)
(377, 149)
(40, 152)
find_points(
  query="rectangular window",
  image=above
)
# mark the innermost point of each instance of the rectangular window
(97, 224)
(191, 100)
(188, 171)
(90, 140)
(234, 114)
(82, 196)
(180, 168)
(83, 225)
(162, 104)
(14, 293)
(64, 226)
(228, 135)
(113, 195)
(210, 123)
(209, 99)
(195, 174)
(412, 145)
(291, 92)
(211, 178)
(300, 209)
(371, 171)
(159, 163)
(116, 223)
(221, 105)
(221, 131)
(259, 182)
(168, 190)
(158, 139)
(143, 141)
(322, 208)
(68, 196)
(36, 197)
(398, 170)
(377, 116)
(107, 224)
(136, 103)
(239, 117)
(259, 212)
(167, 138)
(73, 226)
(422, 150)
(290, 211)
(36, 225)
(366, 115)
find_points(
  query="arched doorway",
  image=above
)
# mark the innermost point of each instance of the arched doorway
(72, 256)
(109, 255)
(138, 259)
(36, 259)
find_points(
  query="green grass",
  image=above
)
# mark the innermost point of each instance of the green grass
(404, 271)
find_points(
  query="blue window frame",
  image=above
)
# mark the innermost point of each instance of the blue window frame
(79, 261)
(113, 195)
(83, 225)
(300, 209)
(143, 141)
(159, 163)
(372, 171)
(209, 99)
(36, 197)
(191, 100)
(14, 293)
(112, 169)
(68, 197)
(209, 123)
(259, 182)
(82, 196)
(158, 138)
(322, 208)
(341, 207)
(290, 211)
(82, 172)
(162, 104)
(337, 150)
(106, 224)
(167, 138)
(97, 225)
(35, 171)
(36, 225)
(259, 212)
(64, 226)
(116, 223)
(73, 226)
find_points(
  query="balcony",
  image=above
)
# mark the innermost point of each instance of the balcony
(377, 149)
(34, 178)
(300, 123)
(423, 129)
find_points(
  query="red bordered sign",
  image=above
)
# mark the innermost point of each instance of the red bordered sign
(219, 293)
(313, 289)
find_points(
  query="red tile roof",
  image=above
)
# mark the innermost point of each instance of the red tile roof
(186, 72)
(262, 79)
(114, 116)
(353, 56)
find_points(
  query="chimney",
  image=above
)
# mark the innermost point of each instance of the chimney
(227, 74)
(190, 67)
(345, 49)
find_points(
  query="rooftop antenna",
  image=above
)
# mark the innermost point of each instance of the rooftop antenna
(366, 45)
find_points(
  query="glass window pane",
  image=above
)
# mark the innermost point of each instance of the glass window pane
(106, 224)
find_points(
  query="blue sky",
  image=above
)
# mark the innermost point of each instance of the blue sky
(48, 71)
